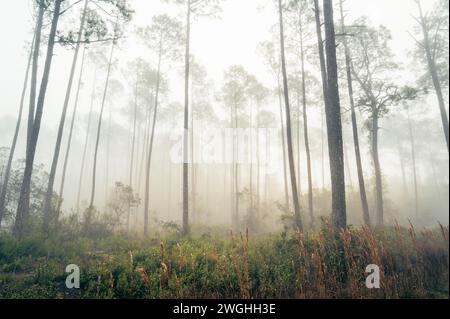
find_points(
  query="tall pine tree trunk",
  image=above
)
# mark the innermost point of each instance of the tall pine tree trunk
(4, 187)
(99, 130)
(34, 72)
(414, 167)
(288, 123)
(23, 209)
(306, 132)
(185, 228)
(86, 142)
(334, 125)
(52, 175)
(69, 141)
(150, 149)
(434, 74)
(377, 168)
(283, 142)
(323, 73)
(348, 65)
(133, 144)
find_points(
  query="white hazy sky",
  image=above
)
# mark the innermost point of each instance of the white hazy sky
(216, 43)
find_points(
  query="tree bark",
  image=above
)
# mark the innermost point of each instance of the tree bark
(434, 74)
(23, 209)
(348, 65)
(34, 73)
(150, 149)
(377, 168)
(334, 125)
(283, 142)
(323, 73)
(306, 132)
(52, 175)
(288, 124)
(69, 141)
(133, 144)
(99, 129)
(86, 142)
(185, 226)
(414, 167)
(12, 150)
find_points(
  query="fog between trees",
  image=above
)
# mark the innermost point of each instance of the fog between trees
(336, 115)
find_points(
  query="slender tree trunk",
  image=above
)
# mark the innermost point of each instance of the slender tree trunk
(334, 125)
(348, 169)
(86, 142)
(23, 209)
(144, 153)
(108, 154)
(258, 163)
(69, 141)
(299, 180)
(150, 149)
(133, 143)
(322, 146)
(413, 156)
(185, 229)
(12, 150)
(306, 132)
(234, 222)
(434, 74)
(323, 69)
(34, 73)
(377, 168)
(193, 166)
(236, 170)
(288, 124)
(283, 142)
(402, 167)
(250, 217)
(348, 65)
(52, 175)
(99, 130)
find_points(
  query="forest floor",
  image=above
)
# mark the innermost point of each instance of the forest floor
(312, 265)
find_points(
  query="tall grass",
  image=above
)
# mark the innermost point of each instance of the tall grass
(322, 264)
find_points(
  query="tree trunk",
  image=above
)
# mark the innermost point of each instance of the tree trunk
(12, 150)
(288, 124)
(434, 74)
(348, 168)
(236, 171)
(23, 209)
(348, 65)
(283, 142)
(334, 125)
(185, 229)
(258, 164)
(250, 217)
(150, 149)
(51, 181)
(413, 156)
(402, 167)
(377, 168)
(323, 73)
(133, 143)
(99, 129)
(34, 74)
(299, 180)
(86, 142)
(69, 141)
(193, 165)
(108, 153)
(306, 132)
